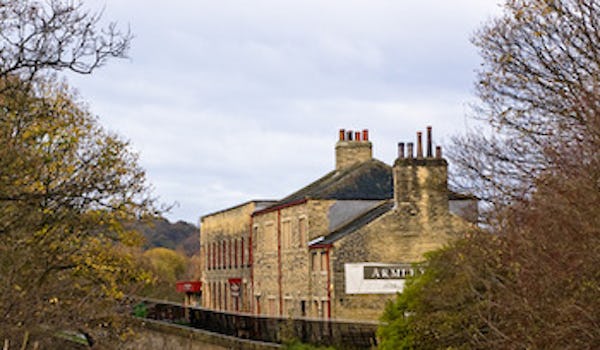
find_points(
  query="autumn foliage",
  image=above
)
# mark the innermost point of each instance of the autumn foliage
(530, 278)
(66, 184)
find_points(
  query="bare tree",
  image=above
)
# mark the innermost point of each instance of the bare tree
(539, 88)
(534, 282)
(41, 36)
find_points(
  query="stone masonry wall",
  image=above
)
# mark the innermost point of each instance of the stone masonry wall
(350, 152)
(419, 223)
(265, 263)
(302, 288)
(224, 234)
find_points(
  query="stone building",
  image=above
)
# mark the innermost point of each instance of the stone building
(339, 247)
(226, 258)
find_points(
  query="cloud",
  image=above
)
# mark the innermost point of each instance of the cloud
(232, 100)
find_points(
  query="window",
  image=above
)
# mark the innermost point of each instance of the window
(242, 249)
(223, 254)
(219, 296)
(270, 238)
(255, 235)
(230, 253)
(289, 306)
(207, 255)
(302, 232)
(235, 254)
(315, 261)
(213, 292)
(272, 306)
(217, 255)
(324, 308)
(286, 234)
(323, 261)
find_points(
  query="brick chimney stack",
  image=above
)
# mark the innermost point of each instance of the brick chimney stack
(352, 147)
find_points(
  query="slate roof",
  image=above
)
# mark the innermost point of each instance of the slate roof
(357, 223)
(370, 180)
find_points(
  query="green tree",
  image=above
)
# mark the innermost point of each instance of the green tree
(446, 306)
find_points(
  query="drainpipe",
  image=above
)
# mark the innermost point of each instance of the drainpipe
(251, 265)
(279, 261)
(327, 252)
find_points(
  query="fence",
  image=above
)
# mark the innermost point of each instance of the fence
(341, 334)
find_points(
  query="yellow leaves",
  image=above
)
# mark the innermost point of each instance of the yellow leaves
(519, 13)
(505, 58)
(167, 263)
(71, 184)
(131, 238)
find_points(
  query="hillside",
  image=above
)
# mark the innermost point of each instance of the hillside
(181, 236)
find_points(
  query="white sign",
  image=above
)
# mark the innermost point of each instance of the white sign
(376, 278)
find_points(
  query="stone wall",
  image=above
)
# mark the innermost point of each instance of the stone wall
(285, 281)
(156, 335)
(420, 222)
(351, 152)
(225, 255)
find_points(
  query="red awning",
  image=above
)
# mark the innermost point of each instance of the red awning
(189, 286)
(235, 281)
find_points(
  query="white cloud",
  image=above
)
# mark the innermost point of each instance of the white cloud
(232, 100)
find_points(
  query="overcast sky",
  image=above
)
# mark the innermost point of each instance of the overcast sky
(228, 101)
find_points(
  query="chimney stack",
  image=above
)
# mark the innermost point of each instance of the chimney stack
(353, 147)
(420, 180)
